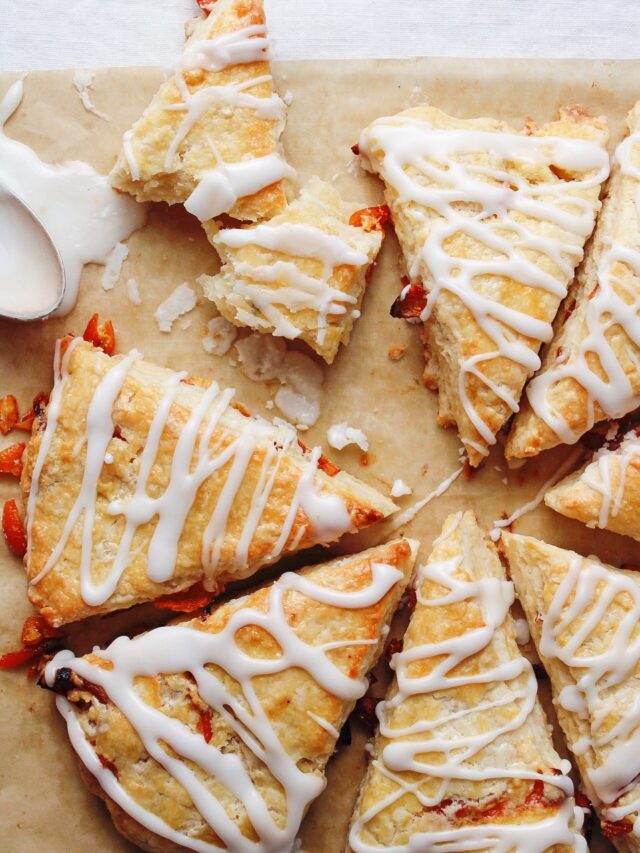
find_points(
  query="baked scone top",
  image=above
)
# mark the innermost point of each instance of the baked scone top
(302, 274)
(605, 492)
(464, 760)
(584, 617)
(492, 224)
(210, 136)
(144, 482)
(215, 732)
(590, 370)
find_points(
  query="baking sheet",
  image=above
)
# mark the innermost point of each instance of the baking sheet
(43, 804)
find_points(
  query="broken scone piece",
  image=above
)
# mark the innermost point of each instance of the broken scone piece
(214, 733)
(303, 274)
(210, 136)
(591, 369)
(464, 758)
(605, 492)
(584, 618)
(492, 225)
(141, 482)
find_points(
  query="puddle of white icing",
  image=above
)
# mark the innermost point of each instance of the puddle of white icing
(30, 272)
(83, 214)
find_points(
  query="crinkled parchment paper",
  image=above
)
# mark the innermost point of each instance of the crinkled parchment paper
(43, 804)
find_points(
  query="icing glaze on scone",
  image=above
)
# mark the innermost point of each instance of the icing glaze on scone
(132, 499)
(492, 225)
(463, 760)
(275, 674)
(303, 274)
(584, 617)
(603, 363)
(209, 138)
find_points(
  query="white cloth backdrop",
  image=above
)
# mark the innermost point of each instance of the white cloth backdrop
(39, 34)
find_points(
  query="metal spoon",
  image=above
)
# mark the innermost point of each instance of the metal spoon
(19, 216)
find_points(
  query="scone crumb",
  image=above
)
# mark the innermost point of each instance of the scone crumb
(396, 352)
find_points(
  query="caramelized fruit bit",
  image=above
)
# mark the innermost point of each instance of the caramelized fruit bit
(36, 631)
(371, 218)
(366, 712)
(13, 529)
(205, 725)
(13, 660)
(614, 830)
(101, 336)
(194, 598)
(412, 304)
(355, 149)
(107, 764)
(8, 413)
(11, 460)
(37, 410)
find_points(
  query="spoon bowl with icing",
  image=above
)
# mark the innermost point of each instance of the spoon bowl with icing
(32, 276)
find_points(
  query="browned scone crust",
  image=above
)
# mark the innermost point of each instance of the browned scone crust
(286, 698)
(320, 207)
(619, 223)
(616, 477)
(538, 570)
(452, 334)
(57, 595)
(466, 802)
(237, 135)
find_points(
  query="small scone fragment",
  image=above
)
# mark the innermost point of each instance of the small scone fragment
(214, 733)
(303, 274)
(210, 137)
(584, 619)
(142, 482)
(464, 758)
(492, 225)
(605, 492)
(591, 369)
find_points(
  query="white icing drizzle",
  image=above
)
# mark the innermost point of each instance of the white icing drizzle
(296, 291)
(496, 532)
(601, 660)
(84, 216)
(180, 649)
(83, 84)
(454, 755)
(486, 212)
(219, 188)
(597, 475)
(409, 514)
(194, 460)
(606, 309)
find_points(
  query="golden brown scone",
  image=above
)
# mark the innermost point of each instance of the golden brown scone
(303, 274)
(492, 224)
(584, 618)
(605, 492)
(217, 111)
(590, 369)
(215, 732)
(144, 482)
(464, 759)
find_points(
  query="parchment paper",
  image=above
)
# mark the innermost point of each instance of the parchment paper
(43, 804)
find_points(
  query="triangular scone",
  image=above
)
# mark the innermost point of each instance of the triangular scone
(144, 482)
(492, 224)
(590, 370)
(604, 493)
(464, 759)
(214, 733)
(210, 136)
(303, 274)
(584, 618)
